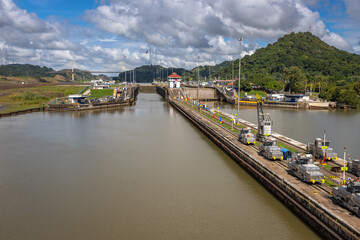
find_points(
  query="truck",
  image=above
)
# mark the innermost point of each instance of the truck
(321, 147)
(348, 196)
(354, 167)
(303, 167)
(270, 150)
(246, 136)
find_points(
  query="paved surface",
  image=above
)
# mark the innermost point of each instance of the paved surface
(274, 134)
(322, 197)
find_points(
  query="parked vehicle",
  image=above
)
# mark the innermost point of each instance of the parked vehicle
(246, 136)
(321, 147)
(304, 168)
(348, 196)
(270, 149)
(354, 167)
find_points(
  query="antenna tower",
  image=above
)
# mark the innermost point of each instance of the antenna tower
(6, 56)
(72, 75)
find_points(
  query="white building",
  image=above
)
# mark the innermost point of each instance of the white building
(174, 80)
(275, 97)
(77, 98)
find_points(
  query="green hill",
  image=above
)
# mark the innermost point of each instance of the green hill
(17, 70)
(298, 61)
(147, 73)
(307, 52)
(34, 73)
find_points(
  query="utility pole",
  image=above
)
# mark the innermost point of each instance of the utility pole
(240, 40)
(323, 148)
(150, 57)
(232, 78)
(41, 59)
(344, 181)
(72, 75)
(209, 71)
(198, 79)
(6, 56)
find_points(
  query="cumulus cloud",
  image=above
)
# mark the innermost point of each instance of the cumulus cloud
(23, 29)
(179, 32)
(199, 24)
(353, 9)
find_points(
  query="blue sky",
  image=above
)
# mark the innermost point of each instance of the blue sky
(70, 10)
(113, 34)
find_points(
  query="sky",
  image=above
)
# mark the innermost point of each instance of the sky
(118, 35)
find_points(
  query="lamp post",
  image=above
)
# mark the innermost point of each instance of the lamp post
(344, 181)
(232, 77)
(198, 79)
(240, 40)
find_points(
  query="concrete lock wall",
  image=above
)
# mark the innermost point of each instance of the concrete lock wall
(328, 225)
(204, 93)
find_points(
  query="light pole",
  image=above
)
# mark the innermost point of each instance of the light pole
(209, 71)
(232, 77)
(344, 181)
(125, 74)
(240, 40)
(198, 79)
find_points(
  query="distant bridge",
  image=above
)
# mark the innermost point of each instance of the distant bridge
(79, 71)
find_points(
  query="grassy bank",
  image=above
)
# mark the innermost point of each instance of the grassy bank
(99, 93)
(26, 98)
(253, 92)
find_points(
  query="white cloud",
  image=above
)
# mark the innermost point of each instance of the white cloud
(199, 24)
(179, 30)
(353, 9)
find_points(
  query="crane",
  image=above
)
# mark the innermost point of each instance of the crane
(264, 121)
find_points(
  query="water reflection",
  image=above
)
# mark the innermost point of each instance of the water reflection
(138, 172)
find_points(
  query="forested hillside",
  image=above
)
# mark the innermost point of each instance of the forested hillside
(298, 61)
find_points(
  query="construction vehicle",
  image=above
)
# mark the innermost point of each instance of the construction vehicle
(321, 148)
(348, 196)
(354, 167)
(270, 150)
(246, 136)
(303, 167)
(264, 121)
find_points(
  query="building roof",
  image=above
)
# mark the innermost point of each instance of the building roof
(224, 81)
(77, 96)
(174, 75)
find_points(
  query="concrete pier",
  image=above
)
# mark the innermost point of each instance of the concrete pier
(315, 208)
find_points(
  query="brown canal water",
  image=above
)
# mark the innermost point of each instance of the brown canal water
(138, 172)
(342, 126)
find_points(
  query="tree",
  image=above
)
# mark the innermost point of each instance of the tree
(349, 97)
(294, 79)
(246, 87)
(273, 86)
